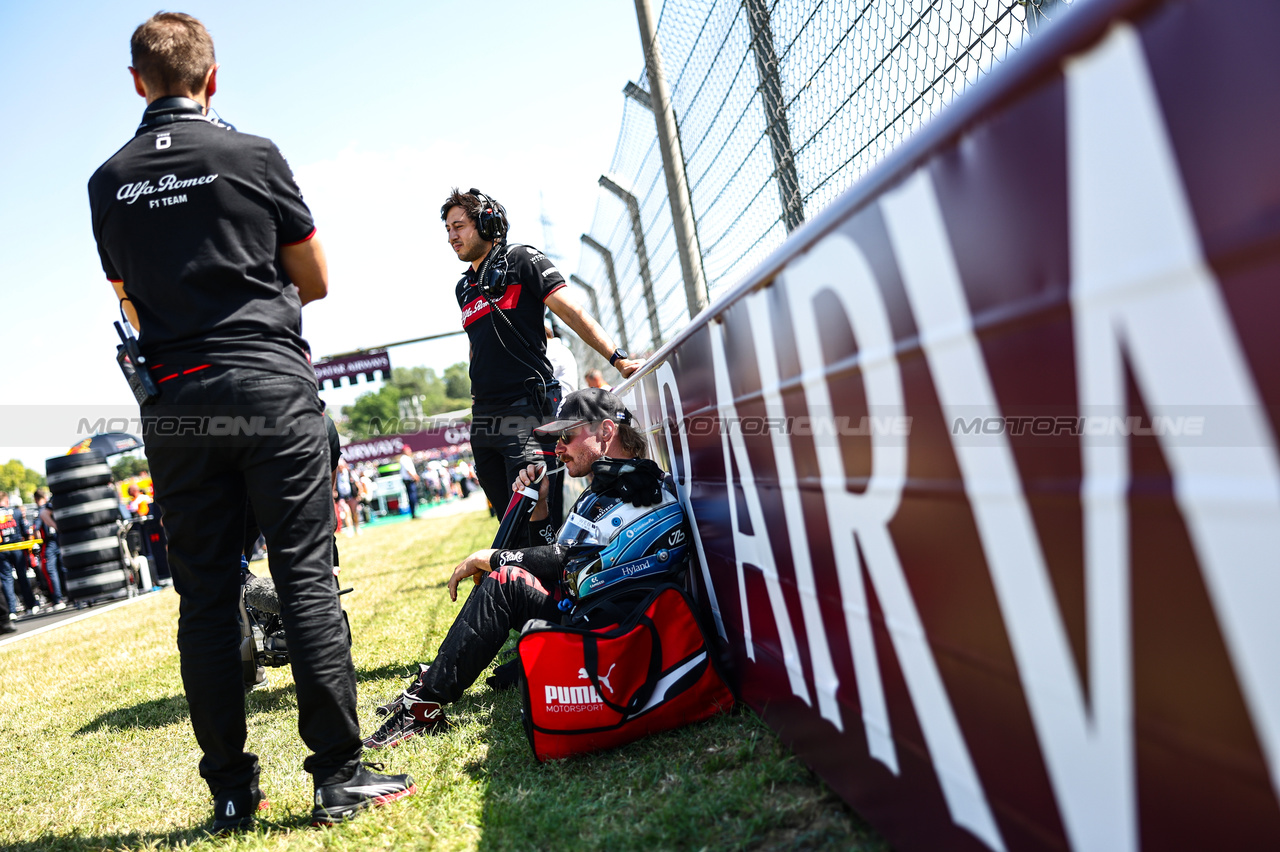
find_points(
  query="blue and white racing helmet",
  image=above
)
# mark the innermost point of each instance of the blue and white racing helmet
(613, 543)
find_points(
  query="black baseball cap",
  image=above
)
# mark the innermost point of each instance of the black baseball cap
(589, 405)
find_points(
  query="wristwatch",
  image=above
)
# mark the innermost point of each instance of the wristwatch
(618, 353)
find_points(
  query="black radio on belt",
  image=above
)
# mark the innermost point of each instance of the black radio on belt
(134, 366)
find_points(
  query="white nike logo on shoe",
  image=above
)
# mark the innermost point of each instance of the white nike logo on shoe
(374, 789)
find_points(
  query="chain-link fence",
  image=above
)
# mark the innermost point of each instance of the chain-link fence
(780, 106)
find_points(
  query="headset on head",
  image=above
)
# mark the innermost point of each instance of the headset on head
(492, 226)
(491, 223)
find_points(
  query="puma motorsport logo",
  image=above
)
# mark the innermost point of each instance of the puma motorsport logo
(572, 699)
(604, 678)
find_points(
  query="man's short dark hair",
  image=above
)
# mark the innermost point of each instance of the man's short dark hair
(470, 204)
(172, 52)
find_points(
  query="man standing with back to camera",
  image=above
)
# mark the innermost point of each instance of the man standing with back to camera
(502, 294)
(208, 244)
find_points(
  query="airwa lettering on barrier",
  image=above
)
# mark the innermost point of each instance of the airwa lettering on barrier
(1056, 631)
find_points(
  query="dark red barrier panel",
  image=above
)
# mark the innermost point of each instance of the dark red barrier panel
(984, 459)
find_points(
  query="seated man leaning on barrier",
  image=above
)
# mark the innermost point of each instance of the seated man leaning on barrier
(596, 434)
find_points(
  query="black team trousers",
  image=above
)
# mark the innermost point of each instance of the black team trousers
(217, 436)
(503, 443)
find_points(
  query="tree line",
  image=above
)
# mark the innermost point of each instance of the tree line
(413, 392)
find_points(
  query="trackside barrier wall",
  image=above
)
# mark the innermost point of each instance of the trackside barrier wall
(983, 460)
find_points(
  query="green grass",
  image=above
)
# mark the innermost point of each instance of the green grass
(97, 750)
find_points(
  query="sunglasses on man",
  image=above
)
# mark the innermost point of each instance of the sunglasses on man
(566, 437)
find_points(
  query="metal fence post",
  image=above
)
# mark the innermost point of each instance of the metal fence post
(642, 253)
(1039, 13)
(638, 95)
(686, 230)
(613, 286)
(586, 357)
(775, 113)
(591, 294)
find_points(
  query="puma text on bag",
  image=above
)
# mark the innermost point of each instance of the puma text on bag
(586, 690)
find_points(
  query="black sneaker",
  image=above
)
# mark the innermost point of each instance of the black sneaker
(411, 716)
(365, 789)
(234, 809)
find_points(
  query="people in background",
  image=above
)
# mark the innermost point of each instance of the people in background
(139, 502)
(46, 528)
(563, 365)
(410, 477)
(346, 487)
(13, 563)
(595, 379)
(365, 483)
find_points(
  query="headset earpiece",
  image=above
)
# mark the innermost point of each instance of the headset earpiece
(491, 223)
(493, 273)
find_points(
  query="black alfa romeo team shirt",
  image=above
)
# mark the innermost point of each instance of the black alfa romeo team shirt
(502, 368)
(190, 215)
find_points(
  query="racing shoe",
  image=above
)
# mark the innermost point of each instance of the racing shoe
(390, 707)
(364, 789)
(411, 716)
(234, 809)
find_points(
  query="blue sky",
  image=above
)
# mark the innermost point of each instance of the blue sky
(379, 107)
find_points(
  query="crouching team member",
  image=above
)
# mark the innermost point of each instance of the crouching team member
(619, 531)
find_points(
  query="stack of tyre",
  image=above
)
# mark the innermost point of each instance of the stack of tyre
(87, 510)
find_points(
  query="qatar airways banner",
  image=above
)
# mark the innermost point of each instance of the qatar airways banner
(449, 437)
(983, 461)
(333, 370)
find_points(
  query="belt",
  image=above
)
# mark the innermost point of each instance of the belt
(510, 403)
(552, 389)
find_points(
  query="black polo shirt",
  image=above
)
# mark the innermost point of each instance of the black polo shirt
(190, 215)
(502, 368)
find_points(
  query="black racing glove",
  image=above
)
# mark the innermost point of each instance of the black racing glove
(637, 481)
